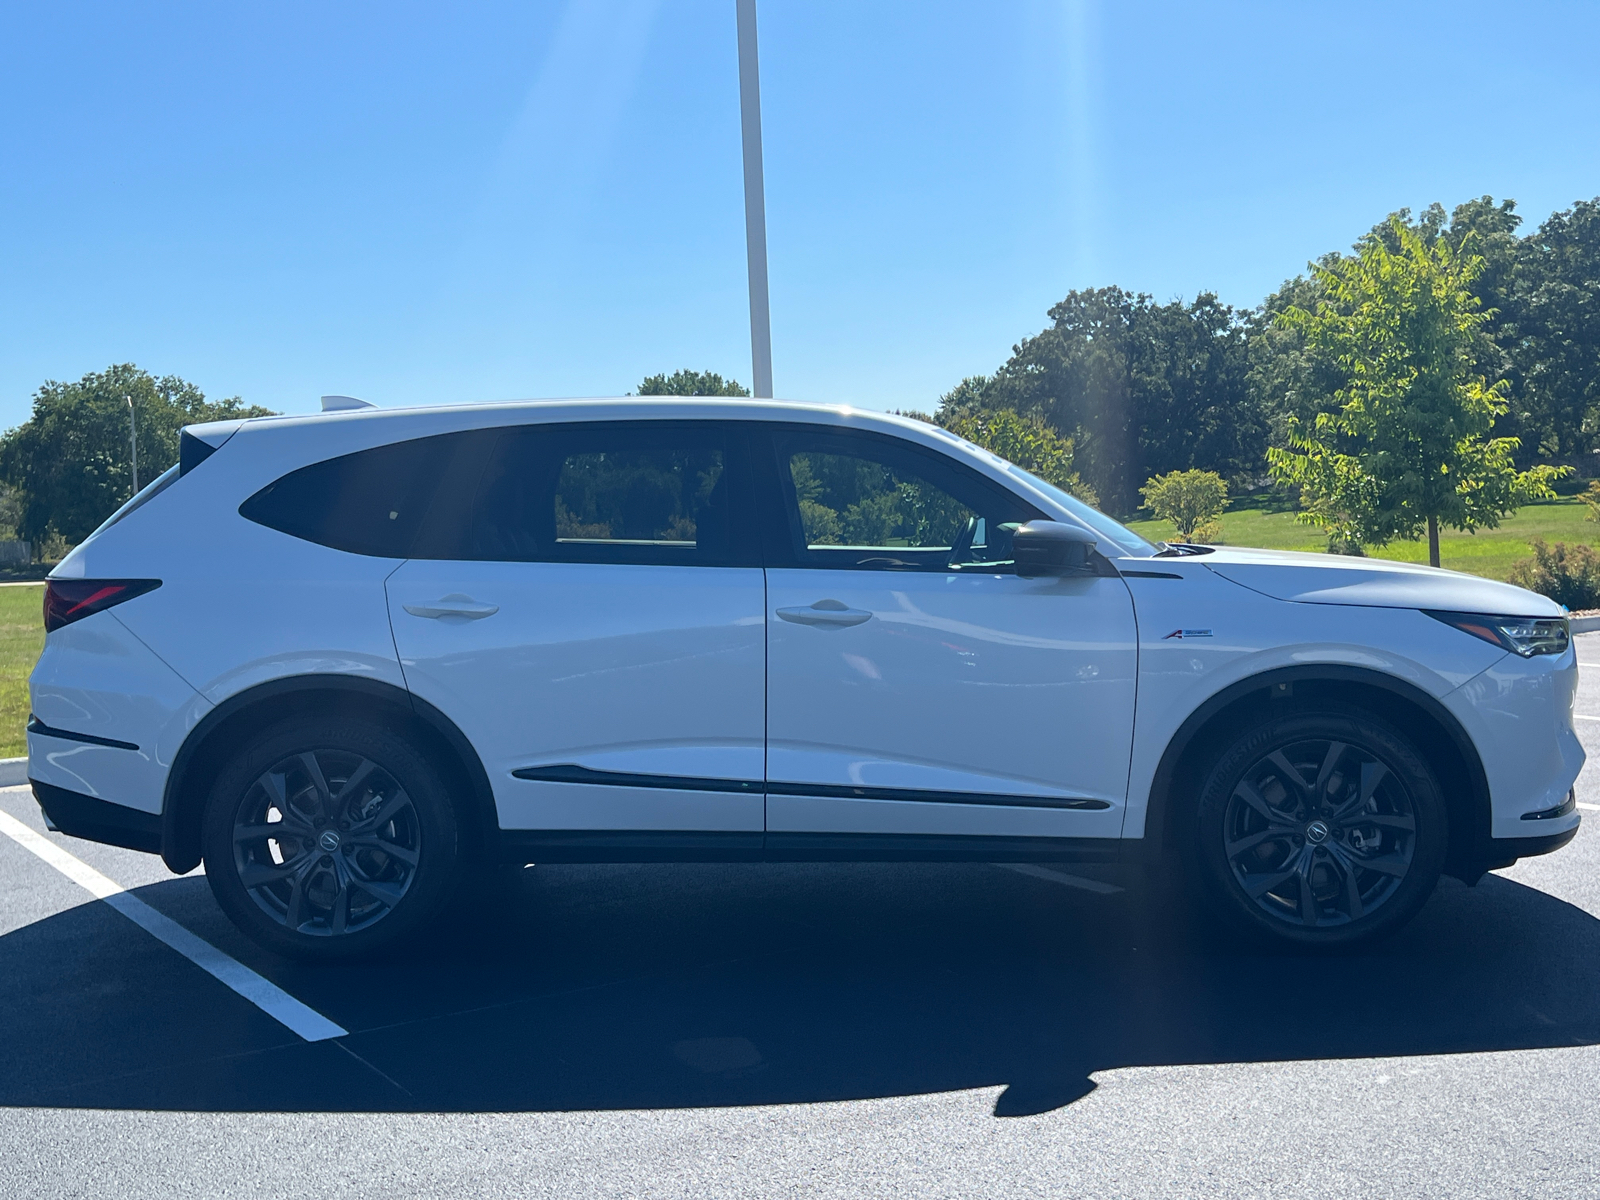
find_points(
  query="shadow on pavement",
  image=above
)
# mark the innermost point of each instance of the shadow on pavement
(584, 988)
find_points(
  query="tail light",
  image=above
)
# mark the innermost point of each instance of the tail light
(69, 600)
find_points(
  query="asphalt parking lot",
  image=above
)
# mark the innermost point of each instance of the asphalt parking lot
(919, 1030)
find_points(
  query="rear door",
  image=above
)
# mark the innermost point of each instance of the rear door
(917, 687)
(590, 616)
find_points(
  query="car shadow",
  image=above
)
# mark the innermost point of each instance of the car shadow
(588, 988)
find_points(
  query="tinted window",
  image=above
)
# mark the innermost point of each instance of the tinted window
(371, 502)
(854, 500)
(617, 492)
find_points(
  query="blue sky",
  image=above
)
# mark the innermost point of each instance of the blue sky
(423, 203)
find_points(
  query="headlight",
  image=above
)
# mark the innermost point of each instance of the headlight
(1526, 636)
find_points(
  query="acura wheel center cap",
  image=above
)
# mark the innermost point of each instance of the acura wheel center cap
(328, 839)
(1316, 833)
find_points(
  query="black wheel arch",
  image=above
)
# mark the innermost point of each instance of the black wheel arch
(1439, 736)
(231, 723)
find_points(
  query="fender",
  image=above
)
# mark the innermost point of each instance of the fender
(180, 812)
(1280, 681)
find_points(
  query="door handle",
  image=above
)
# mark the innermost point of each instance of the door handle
(454, 605)
(825, 614)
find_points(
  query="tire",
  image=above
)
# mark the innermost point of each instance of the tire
(1320, 829)
(368, 853)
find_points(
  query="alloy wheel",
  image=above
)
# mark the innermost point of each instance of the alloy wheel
(326, 842)
(1320, 832)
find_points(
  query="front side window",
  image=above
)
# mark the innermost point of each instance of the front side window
(866, 502)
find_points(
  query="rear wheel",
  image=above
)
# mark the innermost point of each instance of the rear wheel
(1321, 829)
(329, 839)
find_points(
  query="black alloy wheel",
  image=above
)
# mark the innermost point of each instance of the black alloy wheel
(326, 842)
(330, 839)
(1321, 829)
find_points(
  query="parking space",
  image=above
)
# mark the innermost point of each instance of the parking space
(720, 1030)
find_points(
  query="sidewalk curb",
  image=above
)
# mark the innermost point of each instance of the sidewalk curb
(13, 772)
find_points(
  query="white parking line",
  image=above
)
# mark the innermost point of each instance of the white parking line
(1584, 717)
(1590, 807)
(1062, 877)
(265, 995)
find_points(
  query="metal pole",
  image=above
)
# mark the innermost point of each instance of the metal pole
(755, 204)
(133, 444)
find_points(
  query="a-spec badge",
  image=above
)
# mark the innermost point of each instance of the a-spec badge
(1187, 633)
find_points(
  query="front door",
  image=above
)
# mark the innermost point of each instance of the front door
(916, 685)
(596, 632)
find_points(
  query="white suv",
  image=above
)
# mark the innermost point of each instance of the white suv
(347, 659)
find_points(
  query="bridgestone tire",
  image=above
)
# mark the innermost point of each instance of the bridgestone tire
(1345, 857)
(338, 869)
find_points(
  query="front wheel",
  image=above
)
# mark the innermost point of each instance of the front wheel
(329, 839)
(1321, 829)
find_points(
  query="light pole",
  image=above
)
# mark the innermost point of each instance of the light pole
(755, 204)
(133, 445)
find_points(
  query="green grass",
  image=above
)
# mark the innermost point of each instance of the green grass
(21, 639)
(1489, 552)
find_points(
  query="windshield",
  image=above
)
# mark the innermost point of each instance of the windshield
(1129, 541)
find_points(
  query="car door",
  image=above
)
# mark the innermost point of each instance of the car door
(916, 686)
(589, 614)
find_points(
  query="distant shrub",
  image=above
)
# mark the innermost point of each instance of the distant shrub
(1191, 500)
(1591, 501)
(1569, 575)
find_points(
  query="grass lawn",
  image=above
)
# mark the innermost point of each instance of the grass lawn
(21, 639)
(1489, 552)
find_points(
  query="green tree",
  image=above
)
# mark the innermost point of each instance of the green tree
(1191, 500)
(70, 460)
(1555, 336)
(1026, 441)
(691, 383)
(1140, 389)
(1406, 446)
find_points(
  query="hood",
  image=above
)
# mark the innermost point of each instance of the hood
(1374, 582)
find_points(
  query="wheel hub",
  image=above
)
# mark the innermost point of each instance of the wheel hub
(329, 840)
(1316, 833)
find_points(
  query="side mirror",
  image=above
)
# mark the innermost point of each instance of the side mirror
(1051, 548)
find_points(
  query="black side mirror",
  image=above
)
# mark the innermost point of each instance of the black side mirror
(1052, 548)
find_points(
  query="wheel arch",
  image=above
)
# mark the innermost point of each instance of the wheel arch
(1445, 744)
(231, 723)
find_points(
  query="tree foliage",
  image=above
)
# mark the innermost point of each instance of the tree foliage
(1140, 388)
(70, 461)
(1407, 444)
(1026, 441)
(1191, 500)
(691, 383)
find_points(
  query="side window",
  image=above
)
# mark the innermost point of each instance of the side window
(370, 502)
(856, 500)
(614, 492)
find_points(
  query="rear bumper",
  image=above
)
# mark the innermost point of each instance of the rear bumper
(96, 820)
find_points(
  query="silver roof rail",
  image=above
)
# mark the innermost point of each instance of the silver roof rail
(344, 403)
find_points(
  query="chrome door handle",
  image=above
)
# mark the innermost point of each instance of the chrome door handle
(825, 614)
(454, 605)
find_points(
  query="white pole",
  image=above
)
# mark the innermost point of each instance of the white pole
(133, 444)
(755, 204)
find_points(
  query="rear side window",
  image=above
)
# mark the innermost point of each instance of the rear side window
(622, 492)
(370, 502)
